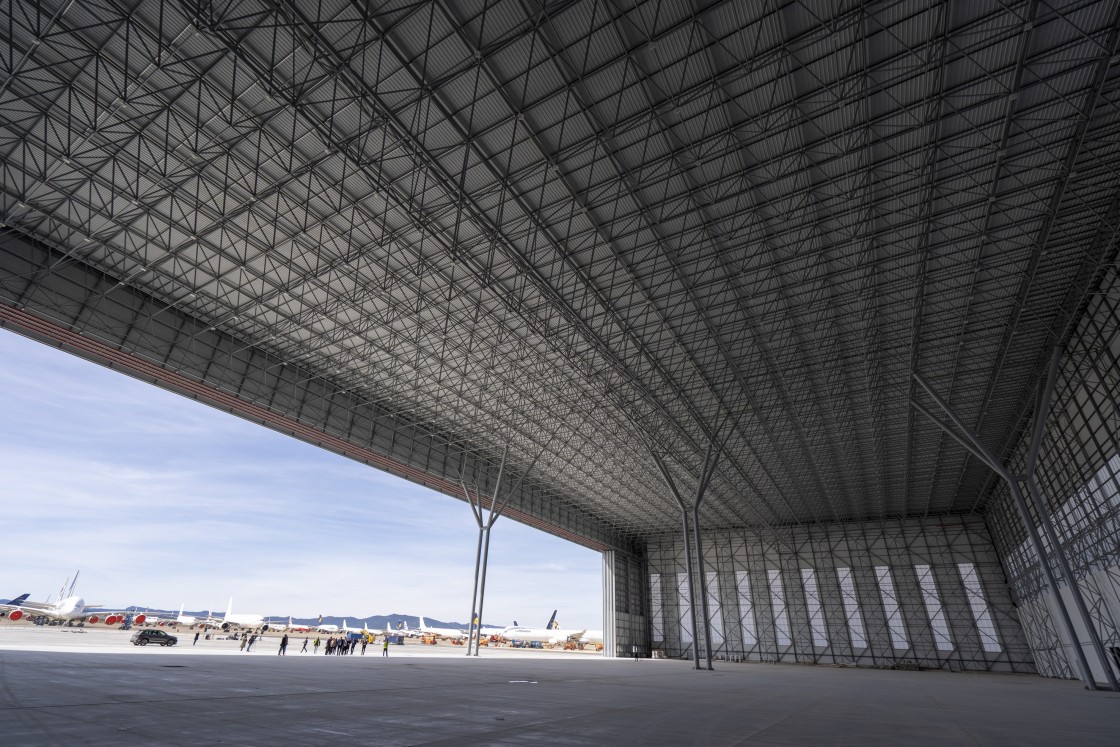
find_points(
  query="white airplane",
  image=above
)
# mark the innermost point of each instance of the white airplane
(69, 607)
(227, 621)
(403, 629)
(551, 633)
(293, 627)
(189, 619)
(347, 629)
(245, 621)
(445, 632)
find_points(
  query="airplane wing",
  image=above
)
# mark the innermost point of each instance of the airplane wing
(21, 603)
(35, 609)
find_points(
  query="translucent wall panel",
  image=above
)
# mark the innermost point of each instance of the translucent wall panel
(979, 607)
(778, 607)
(715, 609)
(891, 608)
(845, 594)
(684, 608)
(941, 636)
(657, 609)
(813, 607)
(1079, 480)
(746, 608)
(852, 616)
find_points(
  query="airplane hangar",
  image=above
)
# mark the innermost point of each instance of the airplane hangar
(803, 313)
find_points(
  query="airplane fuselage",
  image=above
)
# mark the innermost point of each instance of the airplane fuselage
(552, 635)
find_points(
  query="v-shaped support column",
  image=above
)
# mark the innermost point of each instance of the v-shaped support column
(971, 442)
(711, 457)
(482, 552)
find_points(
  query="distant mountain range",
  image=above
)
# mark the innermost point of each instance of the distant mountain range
(378, 622)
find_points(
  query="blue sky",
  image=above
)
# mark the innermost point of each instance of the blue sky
(160, 501)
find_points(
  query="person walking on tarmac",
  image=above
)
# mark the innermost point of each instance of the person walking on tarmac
(385, 647)
(316, 645)
(304, 649)
(365, 640)
(196, 635)
(283, 646)
(244, 640)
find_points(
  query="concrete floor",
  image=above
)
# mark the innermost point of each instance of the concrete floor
(100, 691)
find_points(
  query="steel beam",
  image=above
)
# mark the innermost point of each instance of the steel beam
(997, 466)
(711, 456)
(669, 483)
(1041, 509)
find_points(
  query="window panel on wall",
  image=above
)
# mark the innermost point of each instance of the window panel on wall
(813, 606)
(781, 614)
(656, 608)
(746, 608)
(975, 593)
(938, 624)
(684, 607)
(891, 608)
(715, 609)
(851, 607)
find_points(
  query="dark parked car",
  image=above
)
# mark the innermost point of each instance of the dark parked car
(144, 637)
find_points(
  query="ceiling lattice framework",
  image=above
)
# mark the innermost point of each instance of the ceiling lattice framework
(577, 227)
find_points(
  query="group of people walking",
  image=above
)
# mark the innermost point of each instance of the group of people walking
(346, 647)
(334, 646)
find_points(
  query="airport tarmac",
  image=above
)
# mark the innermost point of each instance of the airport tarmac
(64, 688)
(99, 640)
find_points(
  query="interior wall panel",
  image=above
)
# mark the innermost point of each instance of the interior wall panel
(776, 566)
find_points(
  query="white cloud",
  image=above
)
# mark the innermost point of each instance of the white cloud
(114, 476)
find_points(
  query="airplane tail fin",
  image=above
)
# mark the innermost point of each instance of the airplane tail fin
(229, 607)
(552, 621)
(422, 623)
(181, 608)
(19, 600)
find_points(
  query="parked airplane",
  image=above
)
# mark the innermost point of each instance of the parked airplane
(347, 629)
(227, 621)
(552, 633)
(69, 607)
(187, 619)
(402, 629)
(245, 621)
(293, 627)
(162, 620)
(445, 632)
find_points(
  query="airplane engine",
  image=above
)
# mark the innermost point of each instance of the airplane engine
(139, 619)
(225, 626)
(112, 620)
(16, 615)
(93, 619)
